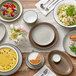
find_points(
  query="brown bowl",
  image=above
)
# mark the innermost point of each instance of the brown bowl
(47, 46)
(64, 67)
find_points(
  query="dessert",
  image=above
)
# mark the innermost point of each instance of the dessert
(34, 58)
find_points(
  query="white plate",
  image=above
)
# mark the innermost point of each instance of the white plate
(21, 9)
(2, 31)
(72, 2)
(43, 35)
(19, 61)
(66, 43)
(34, 67)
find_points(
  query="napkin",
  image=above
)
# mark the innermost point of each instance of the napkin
(45, 71)
(44, 1)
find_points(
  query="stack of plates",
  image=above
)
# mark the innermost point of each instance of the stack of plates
(19, 60)
(43, 35)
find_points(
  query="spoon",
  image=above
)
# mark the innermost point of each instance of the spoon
(42, 5)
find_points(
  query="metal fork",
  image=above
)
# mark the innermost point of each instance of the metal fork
(47, 9)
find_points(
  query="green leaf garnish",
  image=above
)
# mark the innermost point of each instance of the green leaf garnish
(73, 48)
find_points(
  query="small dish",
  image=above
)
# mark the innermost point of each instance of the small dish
(20, 12)
(35, 66)
(64, 67)
(30, 17)
(50, 44)
(68, 2)
(66, 43)
(2, 31)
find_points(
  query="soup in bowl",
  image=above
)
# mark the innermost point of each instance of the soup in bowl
(8, 58)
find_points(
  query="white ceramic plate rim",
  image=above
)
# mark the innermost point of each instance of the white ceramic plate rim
(21, 9)
(73, 2)
(67, 46)
(48, 42)
(4, 29)
(16, 53)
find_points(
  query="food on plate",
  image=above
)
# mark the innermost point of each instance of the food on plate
(72, 43)
(73, 37)
(73, 48)
(34, 58)
(56, 58)
(9, 9)
(8, 59)
(67, 15)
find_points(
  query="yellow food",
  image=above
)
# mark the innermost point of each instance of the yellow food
(8, 59)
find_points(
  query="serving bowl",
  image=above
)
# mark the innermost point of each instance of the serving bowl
(66, 2)
(18, 16)
(9, 53)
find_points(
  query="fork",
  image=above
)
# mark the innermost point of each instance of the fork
(47, 9)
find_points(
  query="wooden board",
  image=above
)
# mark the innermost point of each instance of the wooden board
(25, 71)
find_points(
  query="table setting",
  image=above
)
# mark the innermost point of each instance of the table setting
(38, 41)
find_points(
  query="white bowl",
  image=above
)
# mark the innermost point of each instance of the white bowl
(67, 2)
(30, 16)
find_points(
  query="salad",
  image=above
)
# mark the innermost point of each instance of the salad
(67, 15)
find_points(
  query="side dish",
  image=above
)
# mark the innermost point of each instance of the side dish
(34, 58)
(9, 9)
(8, 59)
(67, 15)
(72, 43)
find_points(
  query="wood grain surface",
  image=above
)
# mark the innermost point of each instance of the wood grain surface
(25, 71)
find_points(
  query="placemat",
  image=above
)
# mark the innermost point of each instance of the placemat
(25, 71)
(26, 46)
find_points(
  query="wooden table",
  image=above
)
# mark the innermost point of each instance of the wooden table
(25, 71)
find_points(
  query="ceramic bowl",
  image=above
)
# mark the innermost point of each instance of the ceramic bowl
(16, 54)
(30, 17)
(67, 2)
(35, 64)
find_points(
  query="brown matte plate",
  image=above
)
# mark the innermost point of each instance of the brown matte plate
(47, 46)
(64, 67)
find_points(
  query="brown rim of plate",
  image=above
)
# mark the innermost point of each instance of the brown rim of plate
(47, 46)
(54, 65)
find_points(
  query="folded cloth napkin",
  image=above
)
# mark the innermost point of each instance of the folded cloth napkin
(51, 5)
(45, 71)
